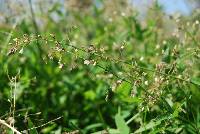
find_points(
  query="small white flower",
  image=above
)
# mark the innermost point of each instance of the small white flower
(61, 65)
(86, 62)
(122, 47)
(179, 76)
(144, 74)
(167, 82)
(157, 46)
(94, 63)
(76, 50)
(119, 81)
(141, 58)
(156, 79)
(142, 108)
(146, 83)
(114, 86)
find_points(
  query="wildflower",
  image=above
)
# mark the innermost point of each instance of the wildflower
(114, 86)
(86, 62)
(50, 56)
(91, 48)
(141, 58)
(61, 65)
(163, 51)
(39, 36)
(76, 50)
(102, 49)
(156, 79)
(144, 74)
(94, 63)
(122, 47)
(146, 83)
(119, 81)
(157, 46)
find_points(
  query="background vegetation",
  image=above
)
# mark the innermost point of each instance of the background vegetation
(97, 67)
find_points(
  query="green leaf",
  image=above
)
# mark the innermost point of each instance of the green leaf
(90, 95)
(48, 129)
(92, 126)
(124, 89)
(196, 81)
(121, 124)
(150, 125)
(131, 99)
(110, 131)
(32, 127)
(166, 56)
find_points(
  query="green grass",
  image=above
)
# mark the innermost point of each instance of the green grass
(97, 72)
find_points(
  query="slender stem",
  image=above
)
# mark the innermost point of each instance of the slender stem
(14, 100)
(43, 124)
(37, 32)
(7, 125)
(132, 118)
(33, 17)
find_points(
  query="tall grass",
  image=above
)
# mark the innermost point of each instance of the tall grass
(101, 70)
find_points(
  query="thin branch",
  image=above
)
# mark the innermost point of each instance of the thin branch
(127, 63)
(42, 124)
(7, 125)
